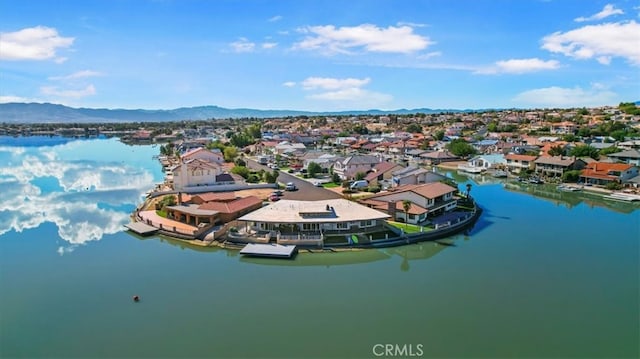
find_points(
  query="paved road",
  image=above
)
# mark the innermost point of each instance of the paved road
(306, 190)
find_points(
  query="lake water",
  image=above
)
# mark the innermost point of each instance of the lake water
(542, 274)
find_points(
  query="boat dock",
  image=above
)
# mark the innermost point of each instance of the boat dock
(269, 250)
(141, 228)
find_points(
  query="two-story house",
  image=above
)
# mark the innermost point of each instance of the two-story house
(603, 173)
(557, 165)
(195, 173)
(348, 167)
(427, 200)
(518, 163)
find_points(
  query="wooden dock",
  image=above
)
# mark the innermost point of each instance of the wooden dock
(141, 228)
(269, 250)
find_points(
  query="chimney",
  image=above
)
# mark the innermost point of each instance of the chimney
(179, 198)
(391, 209)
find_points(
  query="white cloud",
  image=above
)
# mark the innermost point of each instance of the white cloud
(598, 41)
(608, 10)
(328, 83)
(35, 43)
(269, 45)
(519, 66)
(346, 92)
(562, 97)
(242, 45)
(288, 84)
(354, 94)
(331, 40)
(275, 18)
(76, 75)
(11, 98)
(57, 92)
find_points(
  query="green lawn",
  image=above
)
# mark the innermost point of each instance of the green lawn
(335, 240)
(330, 185)
(409, 228)
(162, 214)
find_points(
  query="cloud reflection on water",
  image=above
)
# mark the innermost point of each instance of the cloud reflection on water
(78, 209)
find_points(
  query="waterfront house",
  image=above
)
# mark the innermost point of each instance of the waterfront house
(348, 167)
(430, 199)
(382, 171)
(481, 163)
(210, 213)
(557, 165)
(517, 163)
(308, 222)
(603, 173)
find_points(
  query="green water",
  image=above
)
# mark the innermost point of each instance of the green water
(538, 276)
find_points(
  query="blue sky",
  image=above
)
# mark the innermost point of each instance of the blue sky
(320, 55)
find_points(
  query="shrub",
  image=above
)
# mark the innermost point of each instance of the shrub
(613, 186)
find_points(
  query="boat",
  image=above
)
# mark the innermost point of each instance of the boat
(470, 169)
(568, 188)
(623, 197)
(535, 180)
(500, 174)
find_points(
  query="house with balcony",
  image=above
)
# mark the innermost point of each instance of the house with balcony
(437, 157)
(427, 200)
(603, 173)
(348, 167)
(556, 166)
(517, 163)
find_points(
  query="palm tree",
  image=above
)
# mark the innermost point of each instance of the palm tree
(406, 205)
(468, 189)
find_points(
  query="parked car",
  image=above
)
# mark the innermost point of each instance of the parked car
(318, 184)
(359, 184)
(290, 187)
(274, 198)
(277, 193)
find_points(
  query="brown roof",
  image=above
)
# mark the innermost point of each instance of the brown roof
(515, 157)
(233, 206)
(427, 190)
(216, 196)
(384, 206)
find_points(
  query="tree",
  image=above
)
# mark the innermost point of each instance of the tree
(241, 171)
(571, 176)
(414, 128)
(270, 177)
(460, 147)
(360, 176)
(230, 153)
(335, 178)
(439, 135)
(313, 169)
(610, 150)
(406, 206)
(585, 151)
(556, 151)
(570, 137)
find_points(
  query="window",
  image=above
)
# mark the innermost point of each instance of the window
(412, 216)
(366, 223)
(342, 225)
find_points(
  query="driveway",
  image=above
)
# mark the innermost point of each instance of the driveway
(306, 190)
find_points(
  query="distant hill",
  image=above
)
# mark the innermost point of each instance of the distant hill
(51, 113)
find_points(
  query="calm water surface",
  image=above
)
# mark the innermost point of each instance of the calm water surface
(542, 274)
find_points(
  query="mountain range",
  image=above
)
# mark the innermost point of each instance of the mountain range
(52, 113)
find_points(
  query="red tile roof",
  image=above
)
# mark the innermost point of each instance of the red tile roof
(604, 170)
(233, 206)
(216, 196)
(515, 157)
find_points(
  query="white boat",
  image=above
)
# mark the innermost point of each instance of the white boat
(568, 188)
(470, 169)
(500, 174)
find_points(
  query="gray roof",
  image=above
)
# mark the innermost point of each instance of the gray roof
(360, 160)
(556, 160)
(626, 154)
(194, 210)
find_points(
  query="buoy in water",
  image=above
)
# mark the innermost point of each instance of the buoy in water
(136, 298)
